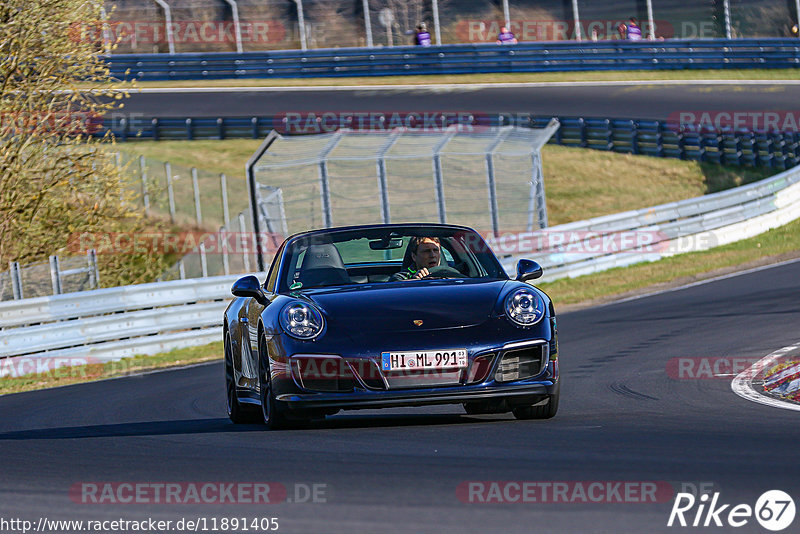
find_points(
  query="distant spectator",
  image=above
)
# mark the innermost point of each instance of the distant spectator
(633, 32)
(422, 37)
(505, 37)
(622, 30)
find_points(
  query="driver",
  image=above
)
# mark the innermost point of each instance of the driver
(425, 254)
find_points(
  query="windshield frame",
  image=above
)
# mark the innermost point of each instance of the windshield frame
(473, 242)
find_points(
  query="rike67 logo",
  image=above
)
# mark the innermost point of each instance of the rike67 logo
(774, 510)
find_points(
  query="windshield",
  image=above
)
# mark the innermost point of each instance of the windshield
(385, 256)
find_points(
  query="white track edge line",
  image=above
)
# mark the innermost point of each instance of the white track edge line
(741, 384)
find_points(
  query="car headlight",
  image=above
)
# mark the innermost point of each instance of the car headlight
(524, 307)
(301, 320)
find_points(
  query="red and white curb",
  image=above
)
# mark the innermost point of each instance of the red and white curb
(741, 385)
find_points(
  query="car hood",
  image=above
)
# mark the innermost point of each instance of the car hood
(439, 304)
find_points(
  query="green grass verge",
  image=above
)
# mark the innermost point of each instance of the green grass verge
(776, 244)
(772, 245)
(587, 76)
(64, 376)
(580, 184)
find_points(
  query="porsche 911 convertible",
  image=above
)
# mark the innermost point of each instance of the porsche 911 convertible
(387, 316)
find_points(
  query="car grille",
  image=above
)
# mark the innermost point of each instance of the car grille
(519, 364)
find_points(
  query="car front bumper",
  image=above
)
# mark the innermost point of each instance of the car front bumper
(519, 394)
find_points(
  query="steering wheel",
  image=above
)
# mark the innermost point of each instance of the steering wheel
(443, 271)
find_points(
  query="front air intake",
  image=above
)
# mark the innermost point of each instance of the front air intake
(323, 374)
(519, 364)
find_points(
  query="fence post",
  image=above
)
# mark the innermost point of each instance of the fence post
(367, 23)
(198, 215)
(490, 180)
(254, 124)
(438, 177)
(537, 200)
(123, 122)
(437, 30)
(55, 275)
(223, 186)
(16, 280)
(181, 270)
(189, 129)
(223, 240)
(242, 235)
(577, 18)
(324, 183)
(634, 138)
(154, 122)
(584, 133)
(170, 192)
(302, 24)
(145, 194)
(383, 188)
(221, 128)
(203, 259)
(94, 273)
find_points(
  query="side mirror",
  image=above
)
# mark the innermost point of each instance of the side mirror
(528, 270)
(249, 287)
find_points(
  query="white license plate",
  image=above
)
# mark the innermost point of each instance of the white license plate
(424, 359)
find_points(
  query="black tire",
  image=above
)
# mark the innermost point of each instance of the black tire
(272, 417)
(238, 413)
(474, 408)
(546, 411)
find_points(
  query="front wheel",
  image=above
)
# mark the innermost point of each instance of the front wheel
(271, 415)
(546, 411)
(237, 412)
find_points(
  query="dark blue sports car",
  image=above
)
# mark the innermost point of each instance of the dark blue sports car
(386, 316)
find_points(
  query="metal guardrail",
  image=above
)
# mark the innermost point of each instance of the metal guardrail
(659, 138)
(650, 234)
(83, 304)
(113, 323)
(109, 324)
(463, 59)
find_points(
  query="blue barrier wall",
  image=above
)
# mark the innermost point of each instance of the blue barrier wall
(464, 59)
(647, 137)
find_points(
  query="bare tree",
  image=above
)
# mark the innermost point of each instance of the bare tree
(56, 178)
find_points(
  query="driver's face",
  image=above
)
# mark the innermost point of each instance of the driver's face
(427, 255)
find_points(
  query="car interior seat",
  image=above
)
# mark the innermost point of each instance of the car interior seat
(323, 266)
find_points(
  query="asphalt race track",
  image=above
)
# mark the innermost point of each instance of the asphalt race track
(629, 100)
(622, 418)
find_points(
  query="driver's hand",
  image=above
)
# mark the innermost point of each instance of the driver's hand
(422, 273)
